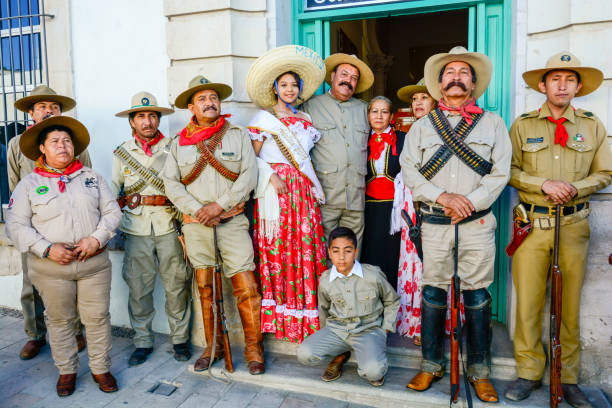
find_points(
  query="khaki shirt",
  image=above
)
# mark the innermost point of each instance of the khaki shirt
(235, 152)
(352, 304)
(585, 162)
(340, 156)
(489, 139)
(144, 219)
(19, 166)
(39, 214)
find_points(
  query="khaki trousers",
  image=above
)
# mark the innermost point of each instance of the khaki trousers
(476, 253)
(531, 269)
(235, 246)
(145, 256)
(64, 288)
(336, 217)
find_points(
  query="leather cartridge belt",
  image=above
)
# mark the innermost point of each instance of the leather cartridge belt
(434, 215)
(225, 215)
(565, 210)
(134, 200)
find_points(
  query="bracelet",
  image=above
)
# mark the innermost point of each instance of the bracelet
(46, 253)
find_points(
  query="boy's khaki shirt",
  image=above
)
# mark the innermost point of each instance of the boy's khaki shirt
(585, 162)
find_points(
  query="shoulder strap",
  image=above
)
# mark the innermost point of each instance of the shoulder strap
(147, 175)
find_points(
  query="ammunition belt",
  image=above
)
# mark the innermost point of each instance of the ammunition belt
(134, 188)
(203, 160)
(149, 176)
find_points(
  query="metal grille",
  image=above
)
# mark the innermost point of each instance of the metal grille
(23, 60)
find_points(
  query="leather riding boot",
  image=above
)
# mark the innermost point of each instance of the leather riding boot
(478, 334)
(248, 301)
(204, 278)
(433, 323)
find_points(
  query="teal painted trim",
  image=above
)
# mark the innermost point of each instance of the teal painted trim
(471, 28)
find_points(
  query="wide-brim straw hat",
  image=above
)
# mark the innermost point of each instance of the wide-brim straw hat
(590, 78)
(405, 93)
(144, 102)
(301, 60)
(477, 60)
(200, 83)
(42, 93)
(28, 143)
(366, 76)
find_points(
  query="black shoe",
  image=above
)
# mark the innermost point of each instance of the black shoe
(575, 397)
(521, 389)
(139, 356)
(181, 352)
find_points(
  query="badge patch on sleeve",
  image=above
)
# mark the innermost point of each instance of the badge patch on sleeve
(42, 190)
(535, 139)
(91, 182)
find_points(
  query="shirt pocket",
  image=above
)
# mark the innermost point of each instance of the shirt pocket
(186, 158)
(362, 134)
(231, 159)
(327, 174)
(45, 207)
(580, 156)
(429, 145)
(533, 159)
(482, 145)
(366, 301)
(326, 129)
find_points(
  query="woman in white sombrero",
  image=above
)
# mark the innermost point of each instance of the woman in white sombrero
(288, 227)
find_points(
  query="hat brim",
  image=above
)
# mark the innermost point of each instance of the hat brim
(405, 93)
(184, 99)
(158, 109)
(25, 104)
(590, 78)
(301, 60)
(28, 143)
(366, 76)
(480, 62)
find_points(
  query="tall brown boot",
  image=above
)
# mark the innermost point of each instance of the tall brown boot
(204, 278)
(248, 300)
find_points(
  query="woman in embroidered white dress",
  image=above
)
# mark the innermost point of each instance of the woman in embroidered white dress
(288, 229)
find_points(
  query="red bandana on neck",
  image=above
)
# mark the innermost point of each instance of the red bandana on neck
(194, 133)
(464, 110)
(377, 144)
(561, 135)
(147, 144)
(46, 171)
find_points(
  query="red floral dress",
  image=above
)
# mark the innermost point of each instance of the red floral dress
(291, 262)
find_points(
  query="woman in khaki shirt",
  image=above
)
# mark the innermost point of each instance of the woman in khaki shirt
(63, 215)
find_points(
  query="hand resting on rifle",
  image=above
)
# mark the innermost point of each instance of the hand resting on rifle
(455, 206)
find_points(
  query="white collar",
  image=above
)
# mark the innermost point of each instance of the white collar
(387, 130)
(355, 271)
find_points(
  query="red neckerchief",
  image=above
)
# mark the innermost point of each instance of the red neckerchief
(464, 110)
(46, 171)
(194, 133)
(377, 144)
(561, 135)
(292, 120)
(147, 144)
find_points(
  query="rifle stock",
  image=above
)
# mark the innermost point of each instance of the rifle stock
(227, 350)
(556, 293)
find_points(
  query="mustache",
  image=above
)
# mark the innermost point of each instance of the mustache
(456, 83)
(347, 84)
(48, 115)
(209, 107)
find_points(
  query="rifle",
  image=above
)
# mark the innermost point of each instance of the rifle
(414, 231)
(556, 291)
(455, 325)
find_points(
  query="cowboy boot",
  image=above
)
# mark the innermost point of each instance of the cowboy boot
(433, 323)
(204, 278)
(479, 335)
(248, 301)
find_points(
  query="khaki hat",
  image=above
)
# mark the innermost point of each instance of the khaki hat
(301, 60)
(200, 83)
(479, 61)
(42, 93)
(28, 143)
(590, 78)
(144, 101)
(405, 93)
(366, 76)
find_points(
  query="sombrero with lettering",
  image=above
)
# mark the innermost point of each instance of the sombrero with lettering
(366, 76)
(28, 143)
(267, 68)
(42, 93)
(477, 60)
(590, 78)
(144, 101)
(200, 83)
(405, 93)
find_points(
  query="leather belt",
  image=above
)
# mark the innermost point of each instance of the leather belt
(134, 200)
(565, 210)
(98, 251)
(225, 215)
(435, 215)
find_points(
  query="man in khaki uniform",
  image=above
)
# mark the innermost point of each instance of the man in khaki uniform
(340, 156)
(40, 104)
(209, 174)
(560, 156)
(457, 187)
(151, 243)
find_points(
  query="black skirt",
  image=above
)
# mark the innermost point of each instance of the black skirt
(378, 247)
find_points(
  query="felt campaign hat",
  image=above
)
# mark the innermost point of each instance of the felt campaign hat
(366, 76)
(405, 93)
(144, 101)
(200, 83)
(28, 143)
(42, 93)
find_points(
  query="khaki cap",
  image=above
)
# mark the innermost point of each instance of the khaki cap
(200, 83)
(28, 143)
(405, 93)
(366, 76)
(42, 93)
(144, 101)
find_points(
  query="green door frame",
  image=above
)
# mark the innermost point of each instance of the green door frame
(489, 32)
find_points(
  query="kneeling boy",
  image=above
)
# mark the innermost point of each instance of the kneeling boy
(358, 307)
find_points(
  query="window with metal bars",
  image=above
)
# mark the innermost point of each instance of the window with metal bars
(23, 66)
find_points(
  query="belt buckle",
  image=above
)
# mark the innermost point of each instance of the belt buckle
(552, 211)
(548, 223)
(133, 201)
